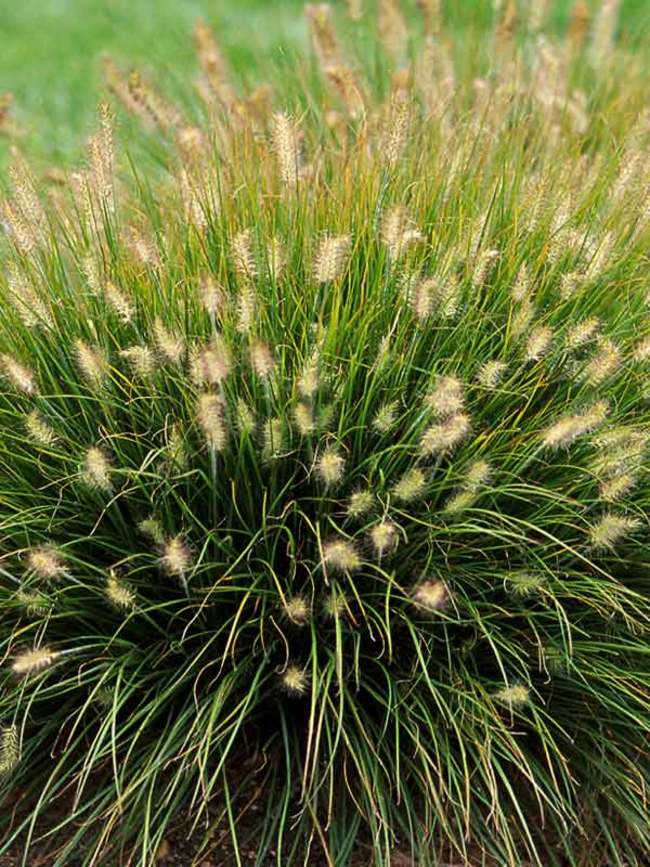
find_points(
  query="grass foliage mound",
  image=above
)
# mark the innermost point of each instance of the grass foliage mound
(324, 426)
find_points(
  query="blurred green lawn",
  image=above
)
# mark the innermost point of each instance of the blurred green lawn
(50, 50)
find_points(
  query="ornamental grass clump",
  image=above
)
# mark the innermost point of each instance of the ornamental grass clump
(324, 447)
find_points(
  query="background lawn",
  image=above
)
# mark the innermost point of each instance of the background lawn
(51, 49)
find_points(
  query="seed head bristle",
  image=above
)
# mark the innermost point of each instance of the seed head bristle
(273, 437)
(118, 594)
(398, 232)
(262, 360)
(514, 696)
(431, 595)
(210, 416)
(339, 555)
(330, 466)
(46, 562)
(606, 533)
(412, 486)
(642, 350)
(615, 489)
(360, 503)
(119, 302)
(392, 29)
(446, 397)
(295, 681)
(309, 379)
(303, 418)
(276, 258)
(32, 661)
(567, 429)
(19, 375)
(287, 149)
(92, 362)
(491, 373)
(384, 538)
(522, 583)
(297, 610)
(141, 360)
(581, 333)
(539, 343)
(440, 439)
(331, 258)
(9, 749)
(97, 469)
(176, 558)
(386, 417)
(244, 418)
(212, 296)
(210, 364)
(170, 347)
(604, 363)
(243, 255)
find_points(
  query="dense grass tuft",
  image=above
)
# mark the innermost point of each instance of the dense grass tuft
(324, 427)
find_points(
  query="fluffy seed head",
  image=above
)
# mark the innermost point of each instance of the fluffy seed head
(243, 256)
(459, 502)
(273, 438)
(36, 604)
(141, 360)
(152, 528)
(385, 417)
(564, 431)
(32, 661)
(118, 594)
(440, 439)
(9, 749)
(422, 298)
(431, 595)
(304, 419)
(297, 610)
(331, 258)
(38, 430)
(330, 466)
(522, 583)
(411, 486)
(295, 681)
(210, 416)
(341, 556)
(287, 149)
(478, 474)
(642, 350)
(244, 418)
(491, 373)
(176, 558)
(398, 232)
(46, 562)
(383, 537)
(92, 362)
(262, 360)
(360, 503)
(96, 472)
(20, 376)
(446, 398)
(119, 302)
(614, 489)
(210, 365)
(582, 333)
(538, 343)
(170, 347)
(604, 363)
(611, 529)
(513, 696)
(522, 317)
(309, 379)
(212, 296)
